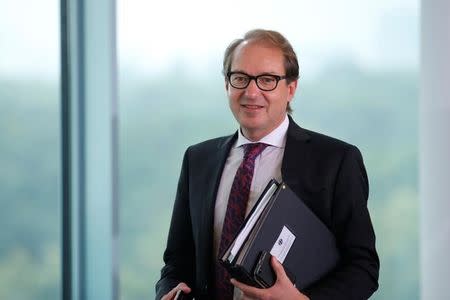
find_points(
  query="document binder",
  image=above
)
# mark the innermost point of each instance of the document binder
(280, 223)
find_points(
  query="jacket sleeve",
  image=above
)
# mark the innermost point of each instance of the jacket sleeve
(356, 276)
(179, 256)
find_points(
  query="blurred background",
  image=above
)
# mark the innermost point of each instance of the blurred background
(359, 68)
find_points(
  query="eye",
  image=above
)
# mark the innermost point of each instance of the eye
(267, 80)
(238, 78)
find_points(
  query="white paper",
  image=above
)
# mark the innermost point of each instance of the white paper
(283, 244)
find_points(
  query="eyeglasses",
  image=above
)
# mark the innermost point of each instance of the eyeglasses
(265, 82)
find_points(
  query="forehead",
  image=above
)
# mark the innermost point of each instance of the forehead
(256, 58)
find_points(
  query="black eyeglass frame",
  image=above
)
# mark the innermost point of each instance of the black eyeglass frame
(255, 78)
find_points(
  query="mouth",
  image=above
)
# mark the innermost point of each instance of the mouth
(252, 107)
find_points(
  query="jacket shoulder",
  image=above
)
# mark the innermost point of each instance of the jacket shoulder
(321, 143)
(317, 141)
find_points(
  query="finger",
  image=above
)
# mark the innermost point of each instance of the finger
(248, 291)
(278, 268)
(184, 287)
(181, 286)
(170, 295)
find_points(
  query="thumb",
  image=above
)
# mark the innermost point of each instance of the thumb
(278, 268)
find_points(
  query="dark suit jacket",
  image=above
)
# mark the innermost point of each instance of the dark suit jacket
(329, 176)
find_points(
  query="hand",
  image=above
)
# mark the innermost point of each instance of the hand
(181, 286)
(282, 289)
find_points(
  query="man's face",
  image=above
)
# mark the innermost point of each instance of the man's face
(259, 112)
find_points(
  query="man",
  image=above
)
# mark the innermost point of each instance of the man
(219, 176)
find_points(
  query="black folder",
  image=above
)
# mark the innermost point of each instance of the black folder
(281, 224)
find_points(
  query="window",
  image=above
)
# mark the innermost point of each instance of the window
(30, 170)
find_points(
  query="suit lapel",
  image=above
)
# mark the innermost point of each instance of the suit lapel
(296, 153)
(297, 162)
(212, 175)
(215, 169)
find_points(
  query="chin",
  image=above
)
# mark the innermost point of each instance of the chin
(251, 125)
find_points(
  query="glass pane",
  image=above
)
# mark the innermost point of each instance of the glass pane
(29, 150)
(358, 82)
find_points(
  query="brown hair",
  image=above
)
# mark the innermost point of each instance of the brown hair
(274, 39)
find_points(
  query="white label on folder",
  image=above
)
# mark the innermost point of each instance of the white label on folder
(283, 244)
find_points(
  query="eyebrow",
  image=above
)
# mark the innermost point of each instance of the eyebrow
(264, 73)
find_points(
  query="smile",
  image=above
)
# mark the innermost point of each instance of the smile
(248, 106)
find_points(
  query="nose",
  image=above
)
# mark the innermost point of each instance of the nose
(252, 90)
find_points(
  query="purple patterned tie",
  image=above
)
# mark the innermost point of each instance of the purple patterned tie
(234, 217)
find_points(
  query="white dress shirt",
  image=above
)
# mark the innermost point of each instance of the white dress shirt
(267, 166)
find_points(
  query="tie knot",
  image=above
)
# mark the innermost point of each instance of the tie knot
(251, 151)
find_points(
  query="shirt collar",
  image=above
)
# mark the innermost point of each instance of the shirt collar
(276, 138)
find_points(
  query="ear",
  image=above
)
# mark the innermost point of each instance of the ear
(292, 87)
